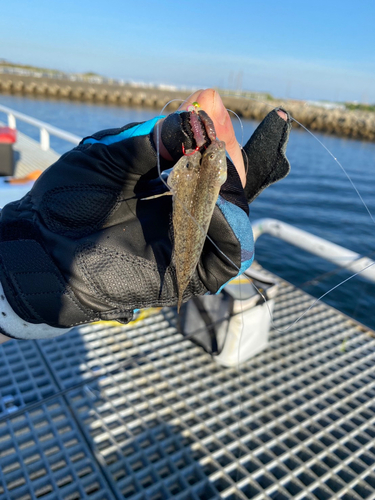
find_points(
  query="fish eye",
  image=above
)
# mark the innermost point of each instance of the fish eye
(212, 156)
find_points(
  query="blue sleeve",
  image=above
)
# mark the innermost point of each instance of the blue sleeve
(112, 136)
(240, 223)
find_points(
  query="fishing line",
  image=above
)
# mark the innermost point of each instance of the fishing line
(158, 143)
(339, 164)
(283, 330)
(104, 372)
(240, 378)
(201, 229)
(188, 213)
(231, 261)
(326, 149)
(244, 154)
(318, 279)
(342, 282)
(144, 355)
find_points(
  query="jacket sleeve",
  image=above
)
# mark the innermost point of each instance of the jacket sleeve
(14, 327)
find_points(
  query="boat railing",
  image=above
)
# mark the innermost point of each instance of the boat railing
(45, 129)
(338, 255)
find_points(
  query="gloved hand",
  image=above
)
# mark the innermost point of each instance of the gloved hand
(84, 244)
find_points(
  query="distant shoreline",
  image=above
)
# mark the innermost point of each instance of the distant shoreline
(340, 122)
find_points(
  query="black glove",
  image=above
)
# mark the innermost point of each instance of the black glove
(265, 151)
(85, 245)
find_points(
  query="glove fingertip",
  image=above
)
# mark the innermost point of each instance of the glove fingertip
(265, 151)
(175, 133)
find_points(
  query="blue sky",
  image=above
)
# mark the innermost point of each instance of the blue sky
(303, 50)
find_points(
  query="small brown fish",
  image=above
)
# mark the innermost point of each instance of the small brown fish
(195, 183)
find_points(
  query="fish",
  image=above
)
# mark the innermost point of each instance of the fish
(194, 182)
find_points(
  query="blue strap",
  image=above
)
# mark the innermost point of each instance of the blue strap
(240, 224)
(140, 129)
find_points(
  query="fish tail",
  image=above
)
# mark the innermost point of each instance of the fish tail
(180, 297)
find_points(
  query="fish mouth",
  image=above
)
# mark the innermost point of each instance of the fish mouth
(202, 128)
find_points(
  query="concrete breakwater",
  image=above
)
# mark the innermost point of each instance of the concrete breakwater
(341, 122)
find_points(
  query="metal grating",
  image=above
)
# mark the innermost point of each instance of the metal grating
(99, 347)
(162, 420)
(24, 377)
(42, 456)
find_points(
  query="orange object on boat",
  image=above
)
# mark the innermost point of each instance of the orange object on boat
(24, 180)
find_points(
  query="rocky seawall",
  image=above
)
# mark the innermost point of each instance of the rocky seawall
(341, 122)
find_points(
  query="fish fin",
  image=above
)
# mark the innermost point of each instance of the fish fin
(158, 195)
(179, 303)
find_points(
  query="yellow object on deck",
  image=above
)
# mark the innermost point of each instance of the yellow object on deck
(140, 315)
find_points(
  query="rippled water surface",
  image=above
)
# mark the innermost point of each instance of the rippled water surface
(316, 197)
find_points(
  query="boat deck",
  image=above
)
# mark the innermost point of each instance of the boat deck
(113, 411)
(29, 157)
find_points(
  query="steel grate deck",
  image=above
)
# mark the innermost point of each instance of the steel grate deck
(142, 416)
(24, 376)
(43, 456)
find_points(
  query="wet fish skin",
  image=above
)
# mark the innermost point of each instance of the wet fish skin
(195, 183)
